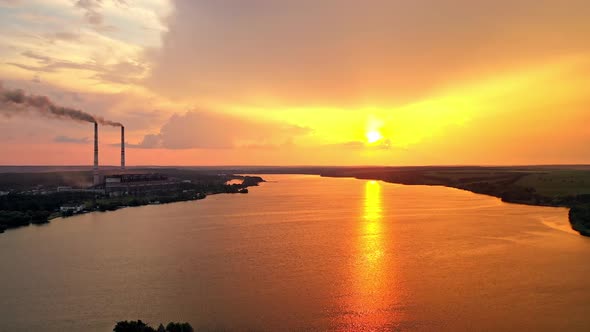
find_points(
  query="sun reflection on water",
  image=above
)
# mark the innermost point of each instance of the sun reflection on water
(372, 247)
(370, 299)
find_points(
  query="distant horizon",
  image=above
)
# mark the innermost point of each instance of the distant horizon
(306, 166)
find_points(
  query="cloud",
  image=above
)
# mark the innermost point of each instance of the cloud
(346, 52)
(93, 13)
(122, 72)
(209, 130)
(54, 37)
(35, 56)
(125, 72)
(150, 141)
(49, 65)
(67, 139)
(384, 144)
(62, 35)
(91, 8)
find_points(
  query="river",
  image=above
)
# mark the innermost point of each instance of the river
(303, 253)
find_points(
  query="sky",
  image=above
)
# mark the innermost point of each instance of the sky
(281, 82)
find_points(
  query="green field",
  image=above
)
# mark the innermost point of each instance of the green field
(557, 183)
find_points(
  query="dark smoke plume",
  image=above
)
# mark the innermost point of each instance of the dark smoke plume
(14, 101)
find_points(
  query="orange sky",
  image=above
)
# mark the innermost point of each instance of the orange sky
(271, 82)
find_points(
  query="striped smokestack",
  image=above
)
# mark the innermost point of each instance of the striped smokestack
(95, 169)
(122, 148)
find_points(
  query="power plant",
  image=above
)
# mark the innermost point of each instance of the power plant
(95, 171)
(105, 182)
(117, 183)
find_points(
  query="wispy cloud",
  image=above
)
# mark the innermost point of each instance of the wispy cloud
(211, 130)
(93, 13)
(72, 140)
(62, 35)
(121, 72)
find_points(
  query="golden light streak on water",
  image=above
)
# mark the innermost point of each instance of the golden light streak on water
(371, 297)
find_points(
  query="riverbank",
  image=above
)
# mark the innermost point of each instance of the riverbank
(540, 186)
(23, 209)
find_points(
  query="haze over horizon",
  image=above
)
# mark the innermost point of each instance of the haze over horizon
(337, 82)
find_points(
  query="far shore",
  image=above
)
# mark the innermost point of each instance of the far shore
(538, 186)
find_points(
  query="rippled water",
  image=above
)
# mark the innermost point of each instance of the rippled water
(303, 253)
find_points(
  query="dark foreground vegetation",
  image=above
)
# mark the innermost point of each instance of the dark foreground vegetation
(580, 219)
(139, 326)
(22, 209)
(560, 186)
(32, 198)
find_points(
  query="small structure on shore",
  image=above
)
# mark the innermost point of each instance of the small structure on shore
(72, 208)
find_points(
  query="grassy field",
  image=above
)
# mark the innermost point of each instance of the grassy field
(557, 183)
(548, 183)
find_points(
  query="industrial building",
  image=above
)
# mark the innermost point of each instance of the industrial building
(138, 183)
(127, 183)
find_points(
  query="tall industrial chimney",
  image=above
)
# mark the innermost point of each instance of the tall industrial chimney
(122, 148)
(95, 170)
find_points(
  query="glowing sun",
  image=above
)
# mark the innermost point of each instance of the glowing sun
(373, 136)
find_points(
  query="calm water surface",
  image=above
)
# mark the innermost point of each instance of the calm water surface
(303, 253)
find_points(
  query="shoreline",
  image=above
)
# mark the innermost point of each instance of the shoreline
(121, 202)
(534, 186)
(578, 221)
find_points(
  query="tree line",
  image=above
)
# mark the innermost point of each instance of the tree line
(139, 326)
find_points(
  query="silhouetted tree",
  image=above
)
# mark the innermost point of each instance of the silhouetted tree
(179, 327)
(139, 326)
(132, 326)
